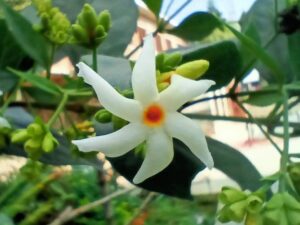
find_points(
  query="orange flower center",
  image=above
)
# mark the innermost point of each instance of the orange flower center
(154, 115)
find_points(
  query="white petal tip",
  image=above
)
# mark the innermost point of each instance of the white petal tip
(137, 180)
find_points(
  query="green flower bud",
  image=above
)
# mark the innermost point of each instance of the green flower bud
(103, 116)
(35, 130)
(88, 17)
(162, 86)
(49, 143)
(128, 93)
(32, 146)
(272, 217)
(223, 215)
(294, 171)
(19, 136)
(193, 70)
(99, 31)
(254, 204)
(253, 219)
(79, 33)
(104, 18)
(118, 122)
(293, 217)
(237, 211)
(172, 60)
(290, 202)
(275, 202)
(164, 77)
(231, 195)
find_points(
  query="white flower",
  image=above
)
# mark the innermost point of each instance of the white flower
(153, 116)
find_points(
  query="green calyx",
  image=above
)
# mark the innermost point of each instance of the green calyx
(282, 208)
(55, 25)
(19, 136)
(49, 143)
(90, 29)
(240, 206)
(168, 62)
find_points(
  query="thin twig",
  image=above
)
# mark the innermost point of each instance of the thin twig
(69, 213)
(259, 126)
(142, 207)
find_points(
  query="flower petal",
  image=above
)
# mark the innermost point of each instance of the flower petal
(144, 74)
(117, 104)
(115, 144)
(187, 131)
(158, 156)
(182, 90)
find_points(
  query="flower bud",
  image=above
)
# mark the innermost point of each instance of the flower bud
(128, 93)
(49, 143)
(162, 86)
(237, 211)
(35, 130)
(118, 122)
(294, 171)
(231, 195)
(104, 19)
(87, 17)
(254, 204)
(33, 145)
(272, 217)
(79, 33)
(99, 31)
(172, 60)
(19, 136)
(193, 70)
(290, 202)
(223, 216)
(165, 77)
(103, 116)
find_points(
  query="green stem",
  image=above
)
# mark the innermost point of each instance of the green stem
(95, 64)
(10, 98)
(58, 110)
(285, 154)
(259, 126)
(52, 51)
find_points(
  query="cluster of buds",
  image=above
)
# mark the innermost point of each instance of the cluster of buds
(240, 206)
(37, 139)
(5, 130)
(55, 25)
(170, 64)
(282, 209)
(91, 29)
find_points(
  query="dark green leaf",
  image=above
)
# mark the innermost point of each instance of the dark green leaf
(261, 54)
(176, 179)
(262, 100)
(123, 21)
(28, 39)
(8, 80)
(38, 81)
(116, 71)
(224, 60)
(154, 6)
(60, 156)
(294, 51)
(196, 26)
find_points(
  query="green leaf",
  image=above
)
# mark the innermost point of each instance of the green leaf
(294, 52)
(28, 39)
(38, 81)
(62, 155)
(224, 60)
(154, 6)
(260, 53)
(123, 21)
(196, 26)
(116, 71)
(176, 179)
(8, 80)
(263, 99)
